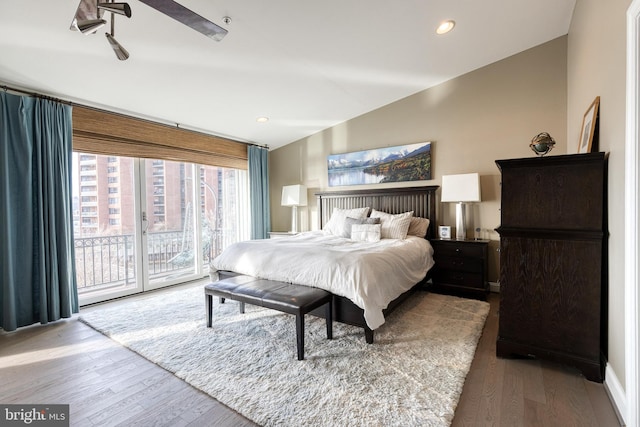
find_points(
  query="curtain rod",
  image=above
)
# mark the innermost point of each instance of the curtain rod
(62, 101)
(35, 95)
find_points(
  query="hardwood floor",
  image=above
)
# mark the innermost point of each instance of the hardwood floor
(106, 384)
(522, 392)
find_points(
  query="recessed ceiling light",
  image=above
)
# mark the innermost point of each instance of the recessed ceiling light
(262, 119)
(445, 27)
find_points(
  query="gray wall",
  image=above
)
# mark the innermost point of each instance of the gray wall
(596, 66)
(488, 114)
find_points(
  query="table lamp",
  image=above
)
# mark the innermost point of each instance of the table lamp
(461, 189)
(294, 196)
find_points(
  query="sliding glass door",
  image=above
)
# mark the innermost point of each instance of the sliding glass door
(143, 224)
(105, 226)
(170, 223)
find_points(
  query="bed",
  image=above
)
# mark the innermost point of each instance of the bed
(365, 302)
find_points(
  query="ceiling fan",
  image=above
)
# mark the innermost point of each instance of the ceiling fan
(188, 18)
(88, 19)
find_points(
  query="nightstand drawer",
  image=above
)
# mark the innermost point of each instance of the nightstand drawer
(472, 265)
(459, 249)
(461, 266)
(459, 278)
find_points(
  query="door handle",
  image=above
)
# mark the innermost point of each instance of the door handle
(145, 223)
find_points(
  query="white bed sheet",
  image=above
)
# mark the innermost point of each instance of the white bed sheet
(369, 274)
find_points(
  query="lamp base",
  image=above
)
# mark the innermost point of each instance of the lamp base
(461, 221)
(294, 219)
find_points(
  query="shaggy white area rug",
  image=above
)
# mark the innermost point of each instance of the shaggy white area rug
(411, 376)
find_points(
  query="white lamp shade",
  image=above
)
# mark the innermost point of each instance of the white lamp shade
(294, 195)
(461, 188)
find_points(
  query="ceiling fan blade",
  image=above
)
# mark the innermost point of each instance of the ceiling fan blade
(188, 18)
(87, 11)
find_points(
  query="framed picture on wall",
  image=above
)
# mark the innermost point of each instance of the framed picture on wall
(410, 162)
(588, 133)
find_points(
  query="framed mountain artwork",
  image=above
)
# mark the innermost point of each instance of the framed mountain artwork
(411, 162)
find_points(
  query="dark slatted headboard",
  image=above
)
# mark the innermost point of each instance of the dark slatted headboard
(420, 200)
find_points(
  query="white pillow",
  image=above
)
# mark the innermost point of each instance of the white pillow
(335, 225)
(418, 227)
(366, 232)
(348, 223)
(393, 226)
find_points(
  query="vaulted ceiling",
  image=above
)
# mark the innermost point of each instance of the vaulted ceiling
(305, 65)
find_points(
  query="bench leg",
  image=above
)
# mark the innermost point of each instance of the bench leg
(241, 307)
(328, 315)
(368, 335)
(221, 300)
(208, 300)
(300, 335)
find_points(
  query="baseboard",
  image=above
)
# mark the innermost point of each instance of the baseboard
(494, 287)
(616, 394)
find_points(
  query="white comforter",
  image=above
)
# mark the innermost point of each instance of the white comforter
(369, 274)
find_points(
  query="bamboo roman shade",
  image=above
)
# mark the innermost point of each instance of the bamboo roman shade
(102, 132)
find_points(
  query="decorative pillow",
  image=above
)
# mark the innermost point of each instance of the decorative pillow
(335, 225)
(366, 232)
(348, 222)
(418, 227)
(393, 226)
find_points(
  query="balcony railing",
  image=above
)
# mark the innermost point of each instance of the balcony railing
(103, 262)
(109, 261)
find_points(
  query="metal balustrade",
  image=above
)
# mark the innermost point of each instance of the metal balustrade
(104, 262)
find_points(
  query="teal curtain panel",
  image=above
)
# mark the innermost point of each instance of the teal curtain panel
(259, 188)
(37, 268)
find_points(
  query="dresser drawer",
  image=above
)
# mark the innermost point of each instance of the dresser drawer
(472, 265)
(458, 249)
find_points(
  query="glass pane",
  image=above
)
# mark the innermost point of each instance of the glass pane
(170, 215)
(104, 222)
(181, 235)
(224, 209)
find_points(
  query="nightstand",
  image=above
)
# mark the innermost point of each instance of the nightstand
(461, 266)
(278, 234)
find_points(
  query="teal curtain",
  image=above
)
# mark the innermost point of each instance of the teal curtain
(37, 268)
(259, 188)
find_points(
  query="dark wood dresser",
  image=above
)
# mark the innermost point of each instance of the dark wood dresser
(553, 260)
(461, 267)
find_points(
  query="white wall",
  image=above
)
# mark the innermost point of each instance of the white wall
(596, 66)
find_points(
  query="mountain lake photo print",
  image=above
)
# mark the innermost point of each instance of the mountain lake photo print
(410, 162)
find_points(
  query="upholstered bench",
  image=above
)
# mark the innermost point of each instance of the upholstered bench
(280, 296)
